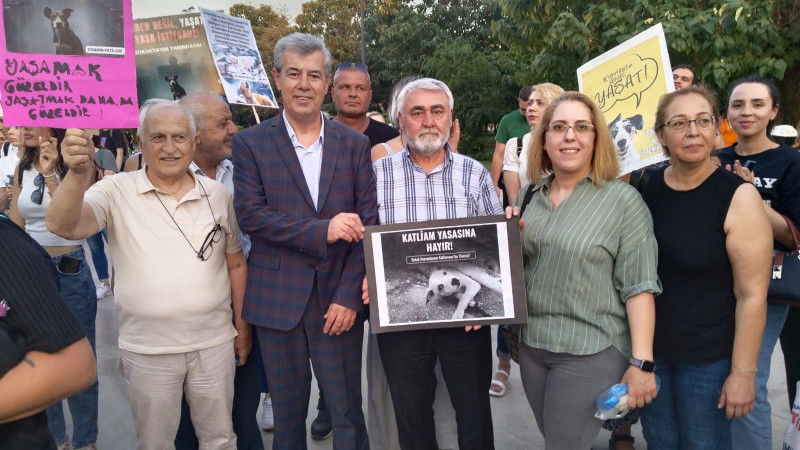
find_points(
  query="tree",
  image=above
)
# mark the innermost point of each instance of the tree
(449, 40)
(722, 40)
(337, 21)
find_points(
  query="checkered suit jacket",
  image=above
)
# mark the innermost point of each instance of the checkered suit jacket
(289, 235)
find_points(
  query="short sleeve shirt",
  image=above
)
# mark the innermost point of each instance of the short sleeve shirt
(583, 261)
(511, 125)
(169, 300)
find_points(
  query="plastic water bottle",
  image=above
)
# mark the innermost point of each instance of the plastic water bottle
(613, 402)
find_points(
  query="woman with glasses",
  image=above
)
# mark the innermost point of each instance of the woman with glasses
(753, 105)
(35, 181)
(714, 246)
(590, 269)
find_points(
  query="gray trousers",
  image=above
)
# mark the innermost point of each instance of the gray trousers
(561, 389)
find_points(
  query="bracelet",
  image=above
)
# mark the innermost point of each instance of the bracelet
(744, 370)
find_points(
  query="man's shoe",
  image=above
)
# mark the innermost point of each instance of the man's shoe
(321, 426)
(267, 416)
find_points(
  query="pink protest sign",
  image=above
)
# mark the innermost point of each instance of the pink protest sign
(68, 63)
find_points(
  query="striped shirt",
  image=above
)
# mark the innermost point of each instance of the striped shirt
(583, 261)
(460, 187)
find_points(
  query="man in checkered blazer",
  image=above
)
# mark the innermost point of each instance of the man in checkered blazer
(304, 192)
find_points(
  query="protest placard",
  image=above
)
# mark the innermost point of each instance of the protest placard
(68, 64)
(445, 273)
(172, 57)
(238, 62)
(626, 83)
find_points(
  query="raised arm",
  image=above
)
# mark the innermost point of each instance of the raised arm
(749, 245)
(68, 216)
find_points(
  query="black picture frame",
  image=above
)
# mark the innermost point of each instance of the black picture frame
(445, 273)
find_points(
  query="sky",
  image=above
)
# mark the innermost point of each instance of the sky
(155, 8)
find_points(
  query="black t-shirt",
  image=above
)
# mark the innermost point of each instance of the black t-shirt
(695, 313)
(379, 132)
(37, 319)
(112, 140)
(777, 178)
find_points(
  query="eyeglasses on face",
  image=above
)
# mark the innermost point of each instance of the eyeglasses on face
(38, 194)
(581, 127)
(681, 124)
(208, 244)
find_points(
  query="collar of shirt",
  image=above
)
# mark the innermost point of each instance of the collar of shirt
(144, 185)
(293, 135)
(547, 180)
(448, 159)
(223, 167)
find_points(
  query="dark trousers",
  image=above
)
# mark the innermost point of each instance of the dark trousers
(790, 345)
(337, 366)
(409, 358)
(246, 395)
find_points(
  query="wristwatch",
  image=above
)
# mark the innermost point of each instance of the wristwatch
(645, 365)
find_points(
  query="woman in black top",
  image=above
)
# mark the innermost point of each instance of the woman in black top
(753, 105)
(714, 247)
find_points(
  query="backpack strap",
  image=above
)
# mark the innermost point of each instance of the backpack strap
(140, 160)
(519, 146)
(532, 188)
(639, 179)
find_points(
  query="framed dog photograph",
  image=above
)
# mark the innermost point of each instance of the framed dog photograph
(445, 273)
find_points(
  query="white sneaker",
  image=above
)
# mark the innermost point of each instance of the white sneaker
(64, 445)
(103, 291)
(267, 417)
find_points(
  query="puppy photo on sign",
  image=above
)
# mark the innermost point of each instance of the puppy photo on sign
(65, 27)
(443, 274)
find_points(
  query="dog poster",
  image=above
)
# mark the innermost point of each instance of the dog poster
(68, 63)
(445, 273)
(238, 62)
(626, 83)
(173, 58)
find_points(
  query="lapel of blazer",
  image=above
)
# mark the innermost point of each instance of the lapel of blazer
(330, 153)
(286, 149)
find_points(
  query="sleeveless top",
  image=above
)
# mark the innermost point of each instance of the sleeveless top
(388, 148)
(33, 214)
(695, 314)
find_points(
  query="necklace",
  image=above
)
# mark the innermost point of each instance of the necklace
(197, 252)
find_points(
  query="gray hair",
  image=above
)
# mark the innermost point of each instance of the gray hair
(422, 84)
(196, 102)
(304, 44)
(393, 109)
(157, 104)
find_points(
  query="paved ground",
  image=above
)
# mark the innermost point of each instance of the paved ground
(513, 420)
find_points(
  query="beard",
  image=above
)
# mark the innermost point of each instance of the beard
(426, 145)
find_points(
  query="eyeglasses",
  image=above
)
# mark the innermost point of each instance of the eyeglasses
(583, 127)
(681, 124)
(38, 194)
(347, 65)
(208, 244)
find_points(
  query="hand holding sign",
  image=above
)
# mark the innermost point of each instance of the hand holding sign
(77, 151)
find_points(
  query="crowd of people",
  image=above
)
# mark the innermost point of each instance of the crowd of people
(238, 263)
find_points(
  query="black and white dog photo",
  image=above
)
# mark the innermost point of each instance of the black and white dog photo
(623, 133)
(178, 92)
(461, 283)
(65, 40)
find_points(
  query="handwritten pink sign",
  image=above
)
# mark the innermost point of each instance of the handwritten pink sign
(68, 64)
